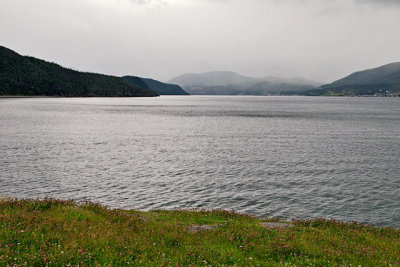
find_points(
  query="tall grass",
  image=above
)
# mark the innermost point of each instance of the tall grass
(54, 232)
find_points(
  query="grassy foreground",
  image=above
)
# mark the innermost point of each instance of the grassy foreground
(53, 232)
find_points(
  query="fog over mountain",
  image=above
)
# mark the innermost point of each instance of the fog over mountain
(231, 83)
(214, 78)
(320, 40)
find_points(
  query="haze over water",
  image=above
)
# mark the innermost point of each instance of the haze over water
(292, 157)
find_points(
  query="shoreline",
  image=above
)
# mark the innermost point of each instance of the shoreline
(328, 96)
(27, 96)
(11, 97)
(378, 225)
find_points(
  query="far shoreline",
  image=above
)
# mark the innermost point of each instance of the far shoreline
(44, 96)
(55, 96)
(28, 96)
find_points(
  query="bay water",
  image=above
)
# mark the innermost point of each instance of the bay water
(291, 157)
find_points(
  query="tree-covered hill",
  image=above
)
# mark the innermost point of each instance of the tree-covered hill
(157, 86)
(164, 88)
(23, 75)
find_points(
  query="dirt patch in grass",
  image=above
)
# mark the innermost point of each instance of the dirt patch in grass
(197, 228)
(276, 225)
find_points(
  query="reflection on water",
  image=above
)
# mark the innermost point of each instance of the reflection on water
(270, 156)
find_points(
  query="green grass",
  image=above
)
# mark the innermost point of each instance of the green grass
(53, 232)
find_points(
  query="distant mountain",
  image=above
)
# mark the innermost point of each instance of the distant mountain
(157, 86)
(384, 80)
(231, 83)
(23, 75)
(215, 78)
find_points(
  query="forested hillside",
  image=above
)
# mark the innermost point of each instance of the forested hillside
(23, 75)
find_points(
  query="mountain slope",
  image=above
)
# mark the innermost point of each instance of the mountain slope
(23, 75)
(164, 88)
(157, 86)
(368, 82)
(136, 81)
(230, 83)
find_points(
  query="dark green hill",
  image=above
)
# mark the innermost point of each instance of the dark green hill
(157, 86)
(136, 81)
(164, 88)
(22, 75)
(384, 80)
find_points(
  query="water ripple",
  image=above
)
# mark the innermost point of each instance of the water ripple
(269, 156)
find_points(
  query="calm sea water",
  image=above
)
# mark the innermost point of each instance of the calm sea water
(291, 157)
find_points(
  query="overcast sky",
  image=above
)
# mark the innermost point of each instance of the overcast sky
(321, 40)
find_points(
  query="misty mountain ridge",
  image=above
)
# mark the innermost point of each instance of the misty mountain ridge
(29, 76)
(231, 83)
(383, 80)
(24, 75)
(213, 78)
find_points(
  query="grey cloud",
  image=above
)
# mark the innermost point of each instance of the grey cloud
(376, 2)
(146, 2)
(389, 3)
(315, 39)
